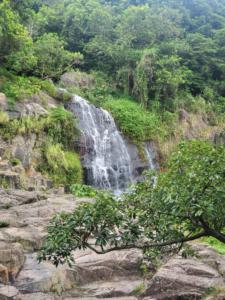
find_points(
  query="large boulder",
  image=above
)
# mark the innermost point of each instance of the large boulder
(183, 279)
(92, 267)
(23, 149)
(12, 257)
(77, 79)
(43, 277)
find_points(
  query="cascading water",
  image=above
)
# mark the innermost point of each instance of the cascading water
(105, 154)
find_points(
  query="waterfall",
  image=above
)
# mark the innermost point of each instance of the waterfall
(104, 152)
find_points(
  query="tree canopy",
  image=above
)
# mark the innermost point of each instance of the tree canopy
(182, 204)
(152, 50)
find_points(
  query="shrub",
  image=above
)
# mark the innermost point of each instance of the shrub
(17, 88)
(63, 167)
(61, 126)
(135, 122)
(81, 190)
(4, 118)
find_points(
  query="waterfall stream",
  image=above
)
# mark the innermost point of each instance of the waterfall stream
(104, 152)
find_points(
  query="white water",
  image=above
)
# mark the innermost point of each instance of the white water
(104, 152)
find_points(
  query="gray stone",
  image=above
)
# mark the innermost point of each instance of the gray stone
(77, 79)
(118, 288)
(38, 296)
(22, 149)
(8, 293)
(3, 102)
(12, 257)
(90, 267)
(43, 277)
(182, 279)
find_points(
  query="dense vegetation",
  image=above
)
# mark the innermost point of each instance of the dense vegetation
(149, 59)
(164, 55)
(152, 50)
(182, 204)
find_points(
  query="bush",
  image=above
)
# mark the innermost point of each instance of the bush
(4, 118)
(18, 87)
(63, 167)
(61, 126)
(81, 190)
(135, 122)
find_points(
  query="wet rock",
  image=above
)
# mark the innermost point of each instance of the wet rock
(182, 279)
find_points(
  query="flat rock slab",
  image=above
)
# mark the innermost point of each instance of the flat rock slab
(8, 292)
(38, 296)
(91, 267)
(93, 298)
(112, 289)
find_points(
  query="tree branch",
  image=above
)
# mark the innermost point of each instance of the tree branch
(146, 245)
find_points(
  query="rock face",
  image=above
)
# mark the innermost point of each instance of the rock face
(12, 257)
(77, 79)
(183, 279)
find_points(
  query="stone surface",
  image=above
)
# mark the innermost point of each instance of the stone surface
(91, 267)
(3, 102)
(183, 279)
(22, 149)
(9, 293)
(111, 276)
(77, 79)
(108, 289)
(10, 179)
(43, 277)
(12, 257)
(38, 296)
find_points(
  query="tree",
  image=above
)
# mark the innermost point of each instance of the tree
(13, 35)
(45, 58)
(183, 203)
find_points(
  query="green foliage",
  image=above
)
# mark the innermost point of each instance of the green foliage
(18, 88)
(4, 118)
(61, 126)
(63, 167)
(183, 203)
(81, 190)
(13, 35)
(15, 161)
(134, 121)
(218, 246)
(4, 224)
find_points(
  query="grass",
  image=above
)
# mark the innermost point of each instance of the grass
(215, 244)
(63, 167)
(4, 224)
(215, 293)
(81, 190)
(134, 121)
(17, 88)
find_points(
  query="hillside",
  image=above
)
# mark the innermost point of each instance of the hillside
(112, 135)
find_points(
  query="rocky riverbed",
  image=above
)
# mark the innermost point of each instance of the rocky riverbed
(24, 217)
